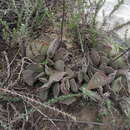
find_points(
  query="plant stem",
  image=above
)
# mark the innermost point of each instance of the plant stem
(63, 18)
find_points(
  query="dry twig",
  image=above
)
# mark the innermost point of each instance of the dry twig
(37, 102)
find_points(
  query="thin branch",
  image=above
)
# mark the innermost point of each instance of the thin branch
(37, 109)
(63, 18)
(8, 69)
(79, 122)
(37, 102)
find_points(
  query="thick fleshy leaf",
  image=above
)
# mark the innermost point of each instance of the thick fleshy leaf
(35, 68)
(128, 81)
(98, 80)
(106, 69)
(63, 88)
(37, 47)
(56, 89)
(69, 72)
(125, 73)
(48, 70)
(67, 84)
(60, 54)
(85, 77)
(117, 85)
(124, 105)
(95, 57)
(111, 77)
(55, 77)
(105, 48)
(68, 101)
(39, 58)
(54, 45)
(88, 93)
(120, 64)
(28, 77)
(42, 80)
(74, 85)
(31, 72)
(59, 65)
(80, 76)
(43, 94)
(104, 59)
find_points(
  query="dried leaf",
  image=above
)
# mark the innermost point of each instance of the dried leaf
(53, 47)
(98, 80)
